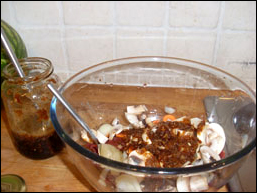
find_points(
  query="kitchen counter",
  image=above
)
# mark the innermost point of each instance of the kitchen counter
(49, 175)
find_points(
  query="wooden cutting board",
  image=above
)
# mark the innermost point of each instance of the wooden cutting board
(49, 175)
(55, 174)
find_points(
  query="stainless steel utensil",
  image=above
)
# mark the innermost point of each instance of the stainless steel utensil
(242, 121)
(14, 60)
(19, 70)
(245, 118)
(11, 54)
(72, 112)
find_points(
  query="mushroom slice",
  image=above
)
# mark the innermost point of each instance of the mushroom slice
(149, 120)
(136, 110)
(183, 184)
(134, 120)
(202, 135)
(139, 158)
(207, 152)
(127, 183)
(115, 121)
(213, 136)
(143, 116)
(169, 110)
(115, 131)
(197, 162)
(195, 122)
(217, 143)
(110, 152)
(198, 183)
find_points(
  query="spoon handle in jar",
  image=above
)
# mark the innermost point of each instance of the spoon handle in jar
(72, 111)
(15, 62)
(11, 53)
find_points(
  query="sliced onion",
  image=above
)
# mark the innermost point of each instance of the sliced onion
(183, 184)
(105, 129)
(110, 152)
(127, 183)
(198, 183)
(101, 137)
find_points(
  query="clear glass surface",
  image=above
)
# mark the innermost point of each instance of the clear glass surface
(27, 105)
(102, 92)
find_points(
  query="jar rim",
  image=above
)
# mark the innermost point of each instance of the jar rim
(30, 63)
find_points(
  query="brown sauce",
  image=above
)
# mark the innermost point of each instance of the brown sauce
(38, 146)
(172, 149)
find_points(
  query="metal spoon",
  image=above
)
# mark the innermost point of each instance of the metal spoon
(80, 121)
(19, 70)
(245, 118)
(11, 54)
(14, 60)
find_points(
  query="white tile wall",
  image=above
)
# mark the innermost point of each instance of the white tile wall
(75, 35)
(197, 46)
(194, 13)
(47, 44)
(86, 47)
(140, 13)
(36, 12)
(150, 41)
(88, 12)
(240, 15)
(236, 47)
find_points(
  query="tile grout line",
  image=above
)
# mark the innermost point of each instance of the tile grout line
(165, 27)
(218, 36)
(185, 29)
(114, 31)
(63, 42)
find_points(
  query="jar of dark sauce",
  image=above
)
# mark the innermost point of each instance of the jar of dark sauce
(27, 103)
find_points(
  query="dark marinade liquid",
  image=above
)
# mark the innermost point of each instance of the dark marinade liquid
(38, 147)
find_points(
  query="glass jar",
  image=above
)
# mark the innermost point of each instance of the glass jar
(27, 103)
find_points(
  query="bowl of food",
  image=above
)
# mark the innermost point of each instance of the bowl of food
(163, 124)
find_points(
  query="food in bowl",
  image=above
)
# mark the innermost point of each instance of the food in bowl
(103, 92)
(153, 141)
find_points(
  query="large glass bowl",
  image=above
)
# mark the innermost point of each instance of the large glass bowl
(102, 92)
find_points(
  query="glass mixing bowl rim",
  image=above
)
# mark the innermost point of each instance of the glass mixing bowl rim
(139, 169)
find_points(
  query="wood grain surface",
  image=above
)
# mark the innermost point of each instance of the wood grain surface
(49, 175)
